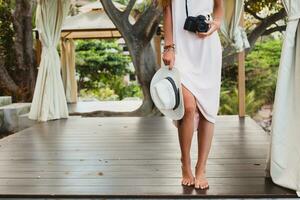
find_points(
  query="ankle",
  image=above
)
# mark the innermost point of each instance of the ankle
(201, 169)
(185, 161)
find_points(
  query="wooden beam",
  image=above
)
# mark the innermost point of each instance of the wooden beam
(241, 79)
(92, 34)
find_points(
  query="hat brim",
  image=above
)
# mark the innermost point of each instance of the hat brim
(161, 74)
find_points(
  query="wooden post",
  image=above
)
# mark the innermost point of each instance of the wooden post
(241, 79)
(157, 43)
(38, 48)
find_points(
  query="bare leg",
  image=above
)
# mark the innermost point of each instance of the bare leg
(205, 136)
(185, 134)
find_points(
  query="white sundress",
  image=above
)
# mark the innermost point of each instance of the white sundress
(199, 61)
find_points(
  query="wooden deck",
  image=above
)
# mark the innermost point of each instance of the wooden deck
(131, 157)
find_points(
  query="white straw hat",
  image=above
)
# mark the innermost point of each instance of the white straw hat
(166, 92)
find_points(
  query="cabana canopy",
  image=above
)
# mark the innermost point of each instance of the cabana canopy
(91, 23)
(98, 5)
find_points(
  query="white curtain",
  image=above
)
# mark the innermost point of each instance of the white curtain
(49, 101)
(230, 28)
(68, 69)
(285, 134)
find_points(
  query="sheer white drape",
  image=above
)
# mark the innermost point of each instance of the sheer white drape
(68, 69)
(49, 100)
(284, 157)
(230, 28)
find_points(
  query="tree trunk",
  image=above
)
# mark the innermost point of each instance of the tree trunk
(5, 80)
(145, 65)
(23, 47)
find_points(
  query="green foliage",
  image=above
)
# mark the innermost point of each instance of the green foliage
(99, 60)
(131, 90)
(229, 102)
(258, 6)
(101, 66)
(123, 2)
(262, 67)
(6, 32)
(104, 93)
(261, 75)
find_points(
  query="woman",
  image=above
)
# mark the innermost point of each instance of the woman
(198, 57)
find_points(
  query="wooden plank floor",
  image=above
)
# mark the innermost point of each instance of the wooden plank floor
(132, 157)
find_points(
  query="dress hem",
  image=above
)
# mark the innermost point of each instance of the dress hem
(210, 119)
(198, 104)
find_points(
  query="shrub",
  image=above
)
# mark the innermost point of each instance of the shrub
(261, 75)
(101, 66)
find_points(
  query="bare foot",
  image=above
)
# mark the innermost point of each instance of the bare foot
(200, 179)
(187, 176)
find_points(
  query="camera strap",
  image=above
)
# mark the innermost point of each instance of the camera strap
(186, 9)
(187, 12)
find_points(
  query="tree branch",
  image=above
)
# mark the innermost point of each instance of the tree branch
(262, 27)
(116, 16)
(272, 30)
(128, 9)
(147, 23)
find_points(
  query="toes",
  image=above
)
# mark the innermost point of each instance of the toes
(187, 182)
(201, 186)
(204, 187)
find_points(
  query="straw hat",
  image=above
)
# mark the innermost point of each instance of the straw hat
(166, 92)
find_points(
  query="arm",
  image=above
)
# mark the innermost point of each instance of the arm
(168, 25)
(168, 55)
(218, 10)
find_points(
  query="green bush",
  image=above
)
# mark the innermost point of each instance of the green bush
(229, 102)
(104, 93)
(6, 34)
(262, 68)
(101, 66)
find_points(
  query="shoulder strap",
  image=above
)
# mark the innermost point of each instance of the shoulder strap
(186, 9)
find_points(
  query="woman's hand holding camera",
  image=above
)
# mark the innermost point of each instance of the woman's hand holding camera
(214, 25)
(169, 55)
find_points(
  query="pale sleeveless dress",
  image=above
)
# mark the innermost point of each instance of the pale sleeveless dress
(198, 60)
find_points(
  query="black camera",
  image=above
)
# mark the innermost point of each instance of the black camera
(196, 24)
